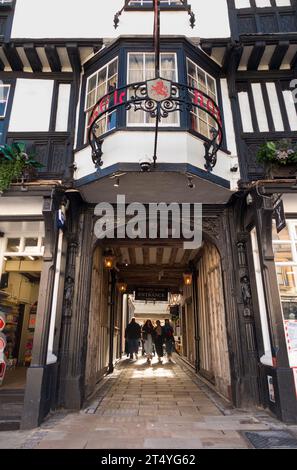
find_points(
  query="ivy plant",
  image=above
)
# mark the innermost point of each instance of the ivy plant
(15, 164)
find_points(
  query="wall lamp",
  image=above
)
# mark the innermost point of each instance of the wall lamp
(109, 259)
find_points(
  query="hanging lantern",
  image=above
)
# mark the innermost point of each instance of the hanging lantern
(109, 260)
(122, 287)
(188, 277)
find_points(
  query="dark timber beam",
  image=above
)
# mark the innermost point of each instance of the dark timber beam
(160, 255)
(186, 257)
(132, 255)
(146, 255)
(256, 56)
(53, 58)
(278, 55)
(74, 57)
(173, 255)
(207, 48)
(13, 57)
(33, 57)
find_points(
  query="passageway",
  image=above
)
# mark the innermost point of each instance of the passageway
(151, 407)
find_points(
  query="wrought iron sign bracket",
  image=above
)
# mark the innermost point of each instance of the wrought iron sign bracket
(211, 150)
(159, 98)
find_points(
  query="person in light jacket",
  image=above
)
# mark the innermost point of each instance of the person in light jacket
(148, 337)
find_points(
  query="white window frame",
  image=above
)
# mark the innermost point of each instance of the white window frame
(22, 252)
(163, 123)
(86, 109)
(4, 85)
(195, 111)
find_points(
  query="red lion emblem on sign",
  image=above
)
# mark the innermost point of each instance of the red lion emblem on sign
(160, 89)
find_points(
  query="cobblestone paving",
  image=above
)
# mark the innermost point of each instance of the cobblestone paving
(148, 407)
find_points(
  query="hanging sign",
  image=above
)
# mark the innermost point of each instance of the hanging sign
(291, 339)
(158, 89)
(157, 294)
(280, 218)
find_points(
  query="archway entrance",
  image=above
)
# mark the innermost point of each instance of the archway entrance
(153, 278)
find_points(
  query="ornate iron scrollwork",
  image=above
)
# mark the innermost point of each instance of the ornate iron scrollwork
(159, 98)
(211, 150)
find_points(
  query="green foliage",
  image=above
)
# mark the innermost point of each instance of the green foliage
(283, 152)
(15, 164)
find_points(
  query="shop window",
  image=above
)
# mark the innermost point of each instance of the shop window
(99, 84)
(285, 251)
(201, 121)
(31, 244)
(141, 67)
(13, 245)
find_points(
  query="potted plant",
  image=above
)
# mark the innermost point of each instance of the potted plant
(15, 165)
(278, 158)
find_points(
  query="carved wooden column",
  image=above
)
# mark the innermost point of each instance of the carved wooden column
(246, 312)
(35, 406)
(76, 310)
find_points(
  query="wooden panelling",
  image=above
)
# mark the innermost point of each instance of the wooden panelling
(98, 335)
(214, 358)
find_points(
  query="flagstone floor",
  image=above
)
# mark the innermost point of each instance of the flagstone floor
(148, 407)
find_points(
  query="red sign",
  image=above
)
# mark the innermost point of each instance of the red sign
(2, 323)
(159, 89)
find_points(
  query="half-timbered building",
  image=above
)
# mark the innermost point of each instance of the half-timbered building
(80, 90)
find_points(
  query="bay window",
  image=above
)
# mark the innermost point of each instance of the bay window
(285, 253)
(141, 67)
(197, 78)
(99, 84)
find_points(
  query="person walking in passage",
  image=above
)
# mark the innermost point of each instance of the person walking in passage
(168, 339)
(159, 340)
(133, 335)
(148, 337)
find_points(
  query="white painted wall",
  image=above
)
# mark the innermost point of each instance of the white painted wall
(31, 107)
(94, 18)
(290, 203)
(184, 148)
(228, 118)
(21, 205)
(63, 107)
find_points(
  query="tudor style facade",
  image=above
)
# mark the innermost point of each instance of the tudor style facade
(235, 315)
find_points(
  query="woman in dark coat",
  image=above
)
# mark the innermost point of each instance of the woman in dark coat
(159, 340)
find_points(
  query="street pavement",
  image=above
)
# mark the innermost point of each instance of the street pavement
(148, 407)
